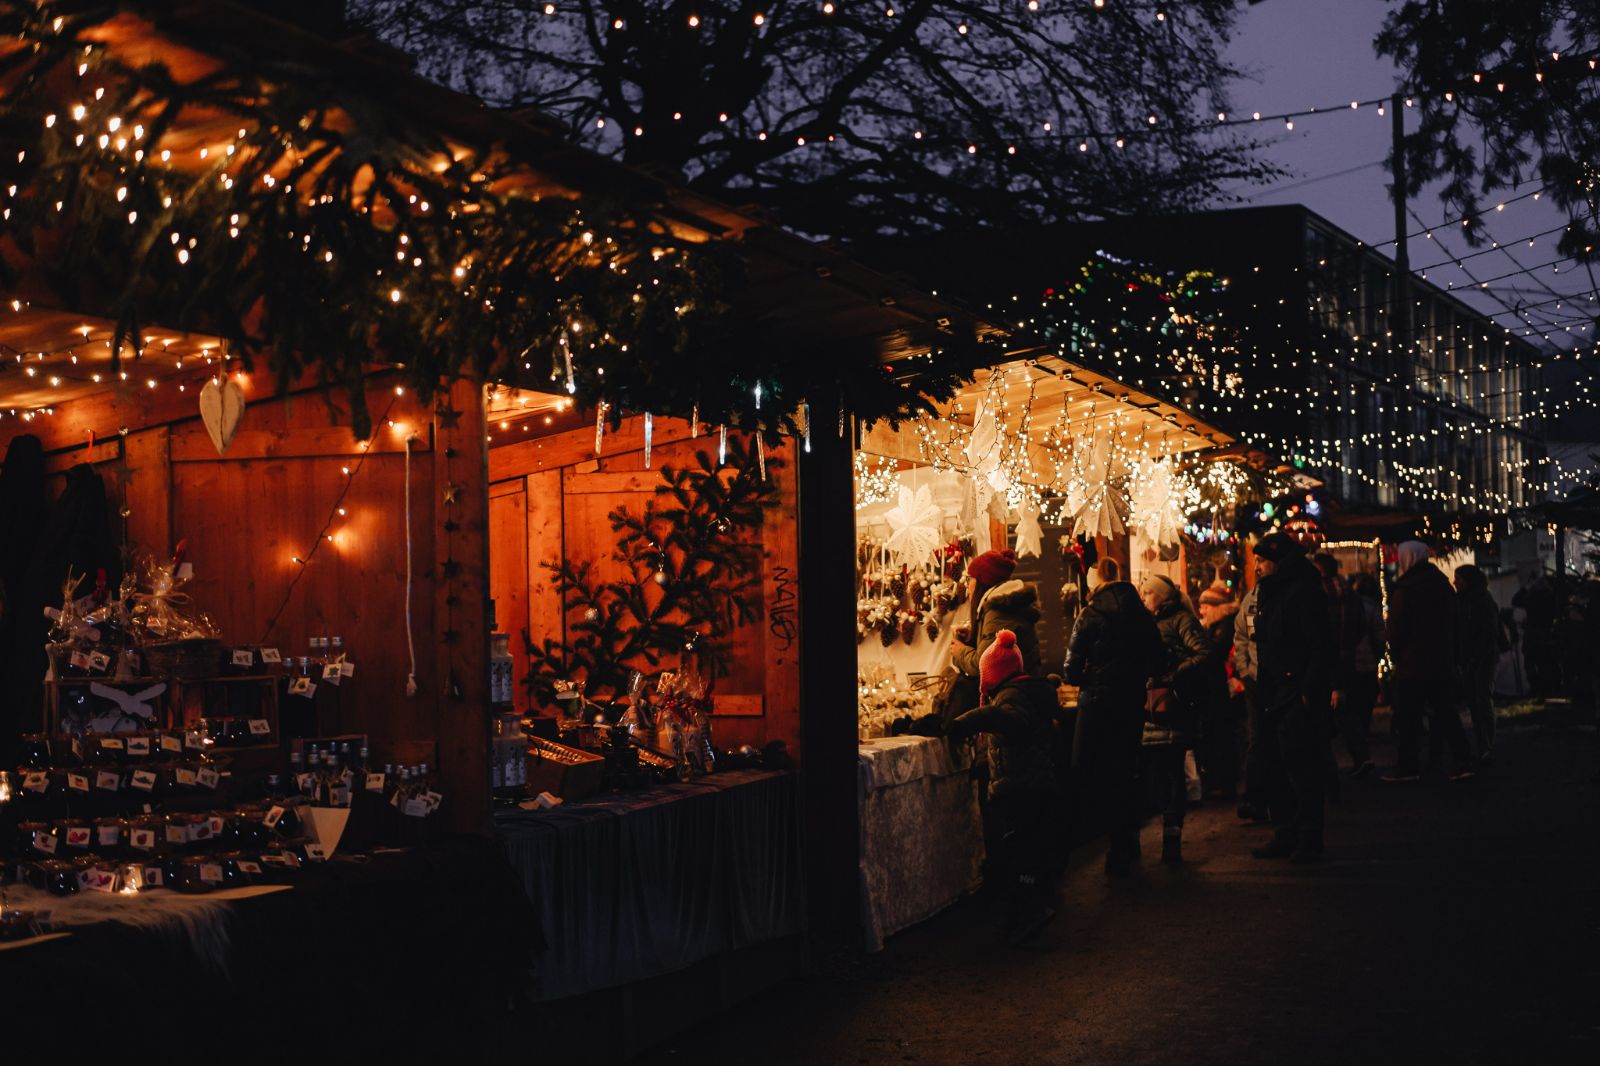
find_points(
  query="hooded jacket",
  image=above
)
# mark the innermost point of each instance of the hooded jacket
(1188, 660)
(1012, 605)
(1115, 645)
(1020, 716)
(1294, 644)
(1422, 625)
(1477, 632)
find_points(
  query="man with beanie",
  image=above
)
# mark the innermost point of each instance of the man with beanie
(998, 602)
(1293, 645)
(1115, 649)
(1018, 711)
(1422, 647)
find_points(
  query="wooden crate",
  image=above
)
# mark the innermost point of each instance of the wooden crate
(570, 773)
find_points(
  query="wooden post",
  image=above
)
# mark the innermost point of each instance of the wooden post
(828, 682)
(461, 602)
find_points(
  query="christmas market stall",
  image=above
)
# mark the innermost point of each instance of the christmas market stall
(1037, 457)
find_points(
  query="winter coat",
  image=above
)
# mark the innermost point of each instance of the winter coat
(1293, 644)
(1187, 666)
(1244, 636)
(1012, 605)
(1422, 625)
(1115, 646)
(1477, 632)
(1364, 632)
(1020, 719)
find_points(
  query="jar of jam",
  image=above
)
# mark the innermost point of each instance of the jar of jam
(147, 836)
(57, 876)
(247, 826)
(197, 873)
(187, 832)
(38, 839)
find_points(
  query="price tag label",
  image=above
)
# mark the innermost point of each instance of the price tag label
(79, 660)
(144, 780)
(108, 781)
(184, 776)
(45, 842)
(331, 673)
(177, 834)
(77, 748)
(217, 824)
(108, 836)
(35, 781)
(374, 782)
(416, 807)
(97, 881)
(207, 777)
(432, 799)
(305, 782)
(171, 743)
(302, 686)
(347, 668)
(142, 840)
(138, 745)
(211, 873)
(99, 660)
(244, 657)
(315, 853)
(193, 739)
(77, 836)
(78, 782)
(273, 817)
(271, 655)
(260, 727)
(111, 744)
(154, 876)
(248, 867)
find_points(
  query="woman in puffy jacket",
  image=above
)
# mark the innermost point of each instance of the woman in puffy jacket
(1170, 726)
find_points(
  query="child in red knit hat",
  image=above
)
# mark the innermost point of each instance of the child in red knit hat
(1018, 712)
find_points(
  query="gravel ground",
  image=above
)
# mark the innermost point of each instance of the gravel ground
(1451, 923)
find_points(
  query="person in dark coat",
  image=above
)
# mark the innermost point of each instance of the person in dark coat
(1422, 645)
(1356, 687)
(1187, 665)
(1293, 646)
(1018, 712)
(1115, 650)
(998, 602)
(1479, 643)
(1219, 726)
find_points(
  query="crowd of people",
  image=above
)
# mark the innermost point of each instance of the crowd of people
(1251, 695)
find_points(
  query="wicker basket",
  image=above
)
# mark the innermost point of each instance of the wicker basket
(185, 660)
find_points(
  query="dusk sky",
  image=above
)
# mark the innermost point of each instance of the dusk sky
(1311, 53)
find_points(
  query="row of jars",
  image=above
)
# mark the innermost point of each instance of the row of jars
(184, 873)
(248, 826)
(40, 751)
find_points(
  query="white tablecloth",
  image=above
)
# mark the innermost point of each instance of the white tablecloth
(921, 831)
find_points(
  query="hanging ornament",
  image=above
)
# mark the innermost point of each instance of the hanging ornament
(758, 396)
(805, 423)
(599, 425)
(221, 410)
(722, 446)
(649, 434)
(566, 349)
(914, 527)
(694, 420)
(1156, 503)
(1030, 536)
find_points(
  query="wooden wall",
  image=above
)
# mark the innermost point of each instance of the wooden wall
(245, 516)
(549, 499)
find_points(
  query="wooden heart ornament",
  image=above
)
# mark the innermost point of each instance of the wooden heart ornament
(222, 409)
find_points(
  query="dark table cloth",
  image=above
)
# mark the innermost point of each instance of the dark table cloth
(634, 885)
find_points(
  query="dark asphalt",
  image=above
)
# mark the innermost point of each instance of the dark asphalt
(1451, 923)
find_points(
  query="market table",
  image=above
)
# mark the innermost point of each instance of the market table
(632, 885)
(921, 831)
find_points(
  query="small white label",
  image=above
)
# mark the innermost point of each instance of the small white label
(302, 686)
(374, 782)
(171, 743)
(271, 655)
(207, 777)
(177, 834)
(260, 727)
(244, 657)
(144, 780)
(331, 674)
(248, 867)
(193, 739)
(79, 660)
(273, 817)
(211, 873)
(217, 824)
(416, 807)
(111, 744)
(347, 668)
(200, 830)
(153, 877)
(142, 840)
(77, 836)
(45, 842)
(184, 776)
(99, 660)
(184, 572)
(108, 781)
(35, 781)
(108, 836)
(315, 853)
(78, 782)
(97, 881)
(432, 799)
(138, 745)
